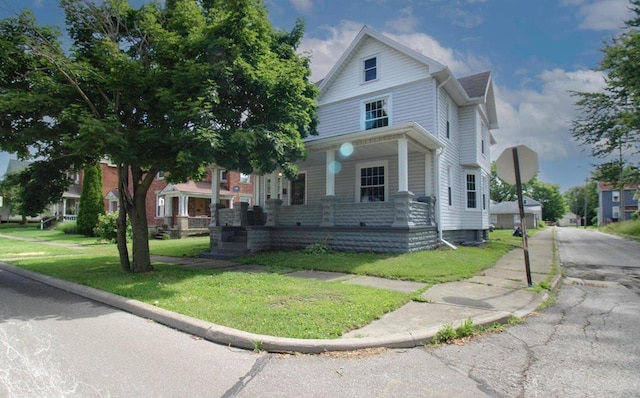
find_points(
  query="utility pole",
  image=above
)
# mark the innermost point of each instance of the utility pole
(586, 195)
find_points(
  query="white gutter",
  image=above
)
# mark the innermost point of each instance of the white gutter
(436, 167)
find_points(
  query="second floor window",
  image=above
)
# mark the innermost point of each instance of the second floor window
(245, 178)
(615, 196)
(376, 114)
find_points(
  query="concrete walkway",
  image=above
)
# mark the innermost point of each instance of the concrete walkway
(495, 295)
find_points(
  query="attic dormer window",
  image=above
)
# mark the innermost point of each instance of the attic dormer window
(370, 69)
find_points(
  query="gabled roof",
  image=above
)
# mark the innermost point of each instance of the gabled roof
(360, 38)
(476, 85)
(474, 89)
(17, 165)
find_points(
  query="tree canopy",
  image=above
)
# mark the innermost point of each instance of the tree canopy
(171, 88)
(553, 203)
(609, 123)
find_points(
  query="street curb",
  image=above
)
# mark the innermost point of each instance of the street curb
(250, 341)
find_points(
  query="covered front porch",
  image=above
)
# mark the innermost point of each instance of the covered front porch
(372, 190)
(186, 208)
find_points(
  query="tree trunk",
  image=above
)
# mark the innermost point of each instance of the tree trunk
(141, 254)
(121, 222)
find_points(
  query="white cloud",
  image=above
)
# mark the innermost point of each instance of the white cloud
(542, 119)
(405, 23)
(302, 6)
(602, 14)
(326, 52)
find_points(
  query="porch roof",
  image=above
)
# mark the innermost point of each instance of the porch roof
(420, 139)
(192, 188)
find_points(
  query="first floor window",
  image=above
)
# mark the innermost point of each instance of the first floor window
(471, 191)
(160, 207)
(372, 184)
(449, 193)
(615, 212)
(376, 114)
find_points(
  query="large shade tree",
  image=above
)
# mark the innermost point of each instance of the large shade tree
(170, 88)
(553, 203)
(609, 122)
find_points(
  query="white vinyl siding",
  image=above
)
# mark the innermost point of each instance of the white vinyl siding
(409, 103)
(393, 69)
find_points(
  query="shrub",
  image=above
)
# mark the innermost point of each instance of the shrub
(91, 202)
(69, 228)
(107, 227)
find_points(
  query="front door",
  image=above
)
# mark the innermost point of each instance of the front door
(298, 188)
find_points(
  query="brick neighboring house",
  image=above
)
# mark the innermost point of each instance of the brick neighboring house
(184, 209)
(610, 203)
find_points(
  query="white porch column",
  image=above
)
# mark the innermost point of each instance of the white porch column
(403, 165)
(274, 185)
(215, 186)
(330, 186)
(182, 205)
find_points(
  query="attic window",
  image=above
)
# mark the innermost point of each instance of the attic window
(370, 69)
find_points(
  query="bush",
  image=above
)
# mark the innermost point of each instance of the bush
(91, 202)
(107, 228)
(69, 228)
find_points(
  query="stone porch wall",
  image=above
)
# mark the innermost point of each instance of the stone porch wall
(385, 240)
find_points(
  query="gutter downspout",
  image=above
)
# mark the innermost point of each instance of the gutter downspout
(436, 166)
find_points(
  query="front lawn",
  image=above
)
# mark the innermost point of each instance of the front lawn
(266, 303)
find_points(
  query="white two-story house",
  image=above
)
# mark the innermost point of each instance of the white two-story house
(401, 162)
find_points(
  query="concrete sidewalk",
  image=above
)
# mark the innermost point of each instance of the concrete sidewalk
(495, 295)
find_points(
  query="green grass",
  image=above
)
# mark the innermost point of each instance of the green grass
(628, 229)
(431, 266)
(265, 303)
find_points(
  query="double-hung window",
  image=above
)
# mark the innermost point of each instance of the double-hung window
(159, 207)
(372, 182)
(376, 113)
(472, 192)
(370, 69)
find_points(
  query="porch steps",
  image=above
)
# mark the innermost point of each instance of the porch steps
(233, 246)
(161, 234)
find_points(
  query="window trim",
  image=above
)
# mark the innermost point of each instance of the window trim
(363, 110)
(160, 206)
(226, 175)
(615, 196)
(363, 70)
(374, 163)
(467, 191)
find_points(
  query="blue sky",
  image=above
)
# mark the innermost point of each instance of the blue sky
(538, 52)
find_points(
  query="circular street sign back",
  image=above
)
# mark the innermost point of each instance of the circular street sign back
(527, 159)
